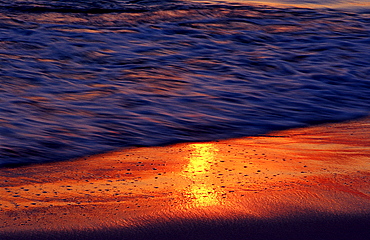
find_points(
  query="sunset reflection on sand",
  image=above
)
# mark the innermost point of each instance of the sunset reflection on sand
(202, 192)
(301, 171)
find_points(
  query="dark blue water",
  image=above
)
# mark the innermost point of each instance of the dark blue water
(81, 77)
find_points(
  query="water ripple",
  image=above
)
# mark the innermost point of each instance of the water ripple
(80, 82)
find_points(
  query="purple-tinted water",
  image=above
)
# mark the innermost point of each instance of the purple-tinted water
(80, 77)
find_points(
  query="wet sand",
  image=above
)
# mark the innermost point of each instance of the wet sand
(308, 183)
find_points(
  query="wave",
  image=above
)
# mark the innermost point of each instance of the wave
(77, 82)
(87, 6)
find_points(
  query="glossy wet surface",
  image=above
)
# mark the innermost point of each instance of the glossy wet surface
(84, 77)
(300, 172)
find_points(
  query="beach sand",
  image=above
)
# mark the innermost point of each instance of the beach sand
(306, 183)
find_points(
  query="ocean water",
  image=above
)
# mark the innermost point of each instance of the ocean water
(79, 77)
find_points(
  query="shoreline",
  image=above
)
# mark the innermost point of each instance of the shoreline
(312, 180)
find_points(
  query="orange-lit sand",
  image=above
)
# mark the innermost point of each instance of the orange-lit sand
(300, 173)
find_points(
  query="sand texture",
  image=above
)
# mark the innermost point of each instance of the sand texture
(307, 183)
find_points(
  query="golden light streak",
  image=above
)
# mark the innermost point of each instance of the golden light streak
(202, 192)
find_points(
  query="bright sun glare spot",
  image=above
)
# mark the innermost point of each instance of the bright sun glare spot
(200, 159)
(201, 192)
